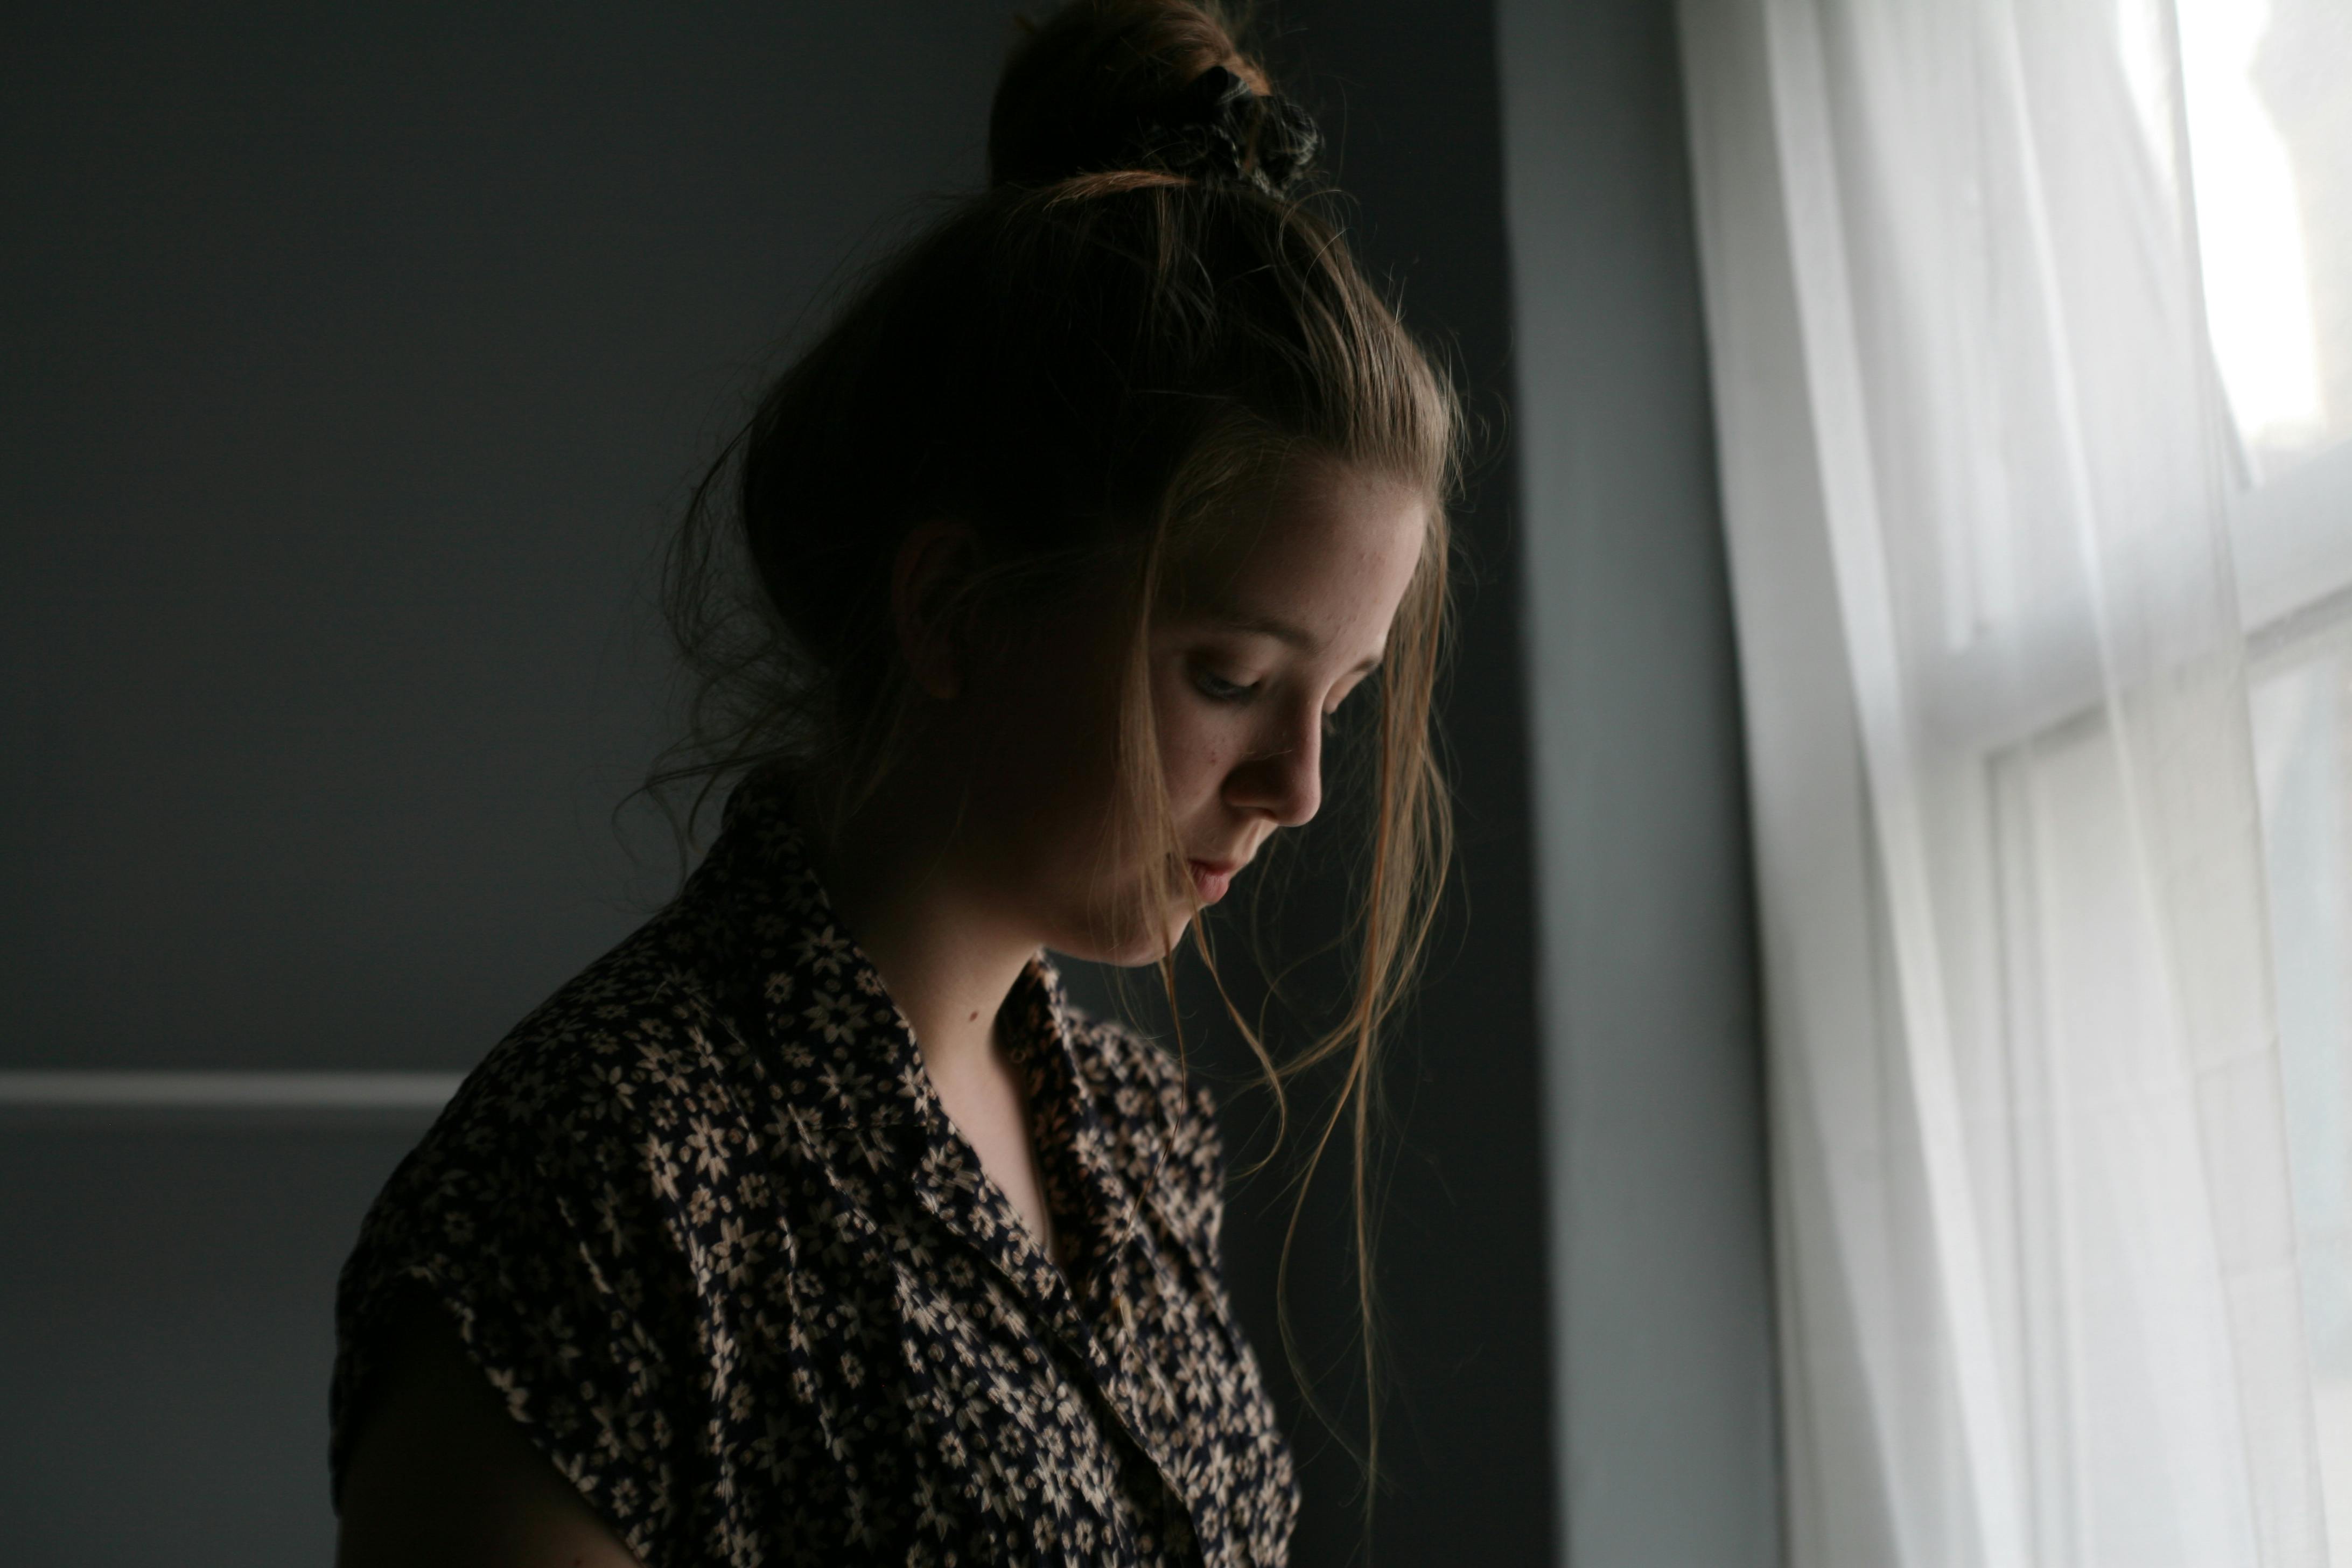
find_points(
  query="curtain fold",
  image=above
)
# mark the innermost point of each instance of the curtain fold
(2038, 1260)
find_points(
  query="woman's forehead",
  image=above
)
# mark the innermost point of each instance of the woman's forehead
(1309, 567)
(1305, 505)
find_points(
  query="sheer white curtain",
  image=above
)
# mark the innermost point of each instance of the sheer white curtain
(2040, 1290)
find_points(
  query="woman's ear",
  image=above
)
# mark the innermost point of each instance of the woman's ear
(934, 562)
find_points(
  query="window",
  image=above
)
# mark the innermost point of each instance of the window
(2032, 329)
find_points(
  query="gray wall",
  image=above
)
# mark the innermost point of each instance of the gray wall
(1665, 1402)
(164, 1335)
(356, 357)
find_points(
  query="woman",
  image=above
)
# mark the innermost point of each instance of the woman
(764, 1243)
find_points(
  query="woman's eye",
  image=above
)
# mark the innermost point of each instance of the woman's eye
(1219, 689)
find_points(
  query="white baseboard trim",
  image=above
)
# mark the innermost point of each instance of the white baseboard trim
(135, 1091)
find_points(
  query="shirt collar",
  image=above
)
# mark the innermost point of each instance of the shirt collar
(819, 994)
(841, 1056)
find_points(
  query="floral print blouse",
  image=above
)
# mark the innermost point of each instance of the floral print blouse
(703, 1221)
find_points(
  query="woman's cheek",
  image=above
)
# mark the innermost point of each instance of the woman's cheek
(1193, 747)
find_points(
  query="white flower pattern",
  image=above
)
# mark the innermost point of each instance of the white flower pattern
(703, 1221)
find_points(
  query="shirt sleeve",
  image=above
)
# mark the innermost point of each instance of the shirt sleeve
(552, 1244)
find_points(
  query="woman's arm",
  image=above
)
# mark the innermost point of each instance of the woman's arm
(441, 1475)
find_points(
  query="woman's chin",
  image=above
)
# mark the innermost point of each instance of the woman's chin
(1133, 950)
(1139, 954)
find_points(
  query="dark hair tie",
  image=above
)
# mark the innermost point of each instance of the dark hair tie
(1219, 129)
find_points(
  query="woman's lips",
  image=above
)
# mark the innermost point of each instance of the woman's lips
(1211, 878)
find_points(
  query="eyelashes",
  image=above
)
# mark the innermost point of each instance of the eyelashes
(1216, 688)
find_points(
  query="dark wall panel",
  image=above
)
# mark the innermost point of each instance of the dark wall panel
(1409, 91)
(356, 358)
(1653, 1080)
(164, 1309)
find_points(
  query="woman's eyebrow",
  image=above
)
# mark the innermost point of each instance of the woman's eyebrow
(1274, 627)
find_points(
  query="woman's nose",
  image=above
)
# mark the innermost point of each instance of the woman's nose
(1284, 780)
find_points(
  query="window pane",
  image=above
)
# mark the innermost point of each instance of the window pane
(2270, 135)
(2303, 739)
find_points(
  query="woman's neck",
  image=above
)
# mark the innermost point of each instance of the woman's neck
(948, 957)
(946, 954)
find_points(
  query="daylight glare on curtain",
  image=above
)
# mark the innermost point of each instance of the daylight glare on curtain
(2028, 332)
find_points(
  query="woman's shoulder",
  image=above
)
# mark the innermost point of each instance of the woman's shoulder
(558, 1210)
(593, 1091)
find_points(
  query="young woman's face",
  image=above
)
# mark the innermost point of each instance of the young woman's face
(1251, 655)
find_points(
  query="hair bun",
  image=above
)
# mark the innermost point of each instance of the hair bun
(1218, 127)
(1111, 85)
